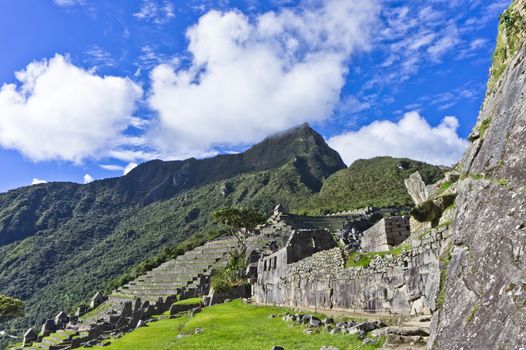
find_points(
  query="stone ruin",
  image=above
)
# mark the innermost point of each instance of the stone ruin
(284, 243)
(386, 234)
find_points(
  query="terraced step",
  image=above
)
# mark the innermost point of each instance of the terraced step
(184, 273)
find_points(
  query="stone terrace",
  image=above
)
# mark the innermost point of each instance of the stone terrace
(186, 275)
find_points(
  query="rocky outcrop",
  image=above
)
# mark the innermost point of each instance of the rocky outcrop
(416, 188)
(485, 296)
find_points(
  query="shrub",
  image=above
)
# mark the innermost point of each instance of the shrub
(10, 308)
(232, 275)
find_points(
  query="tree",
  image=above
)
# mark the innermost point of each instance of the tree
(10, 308)
(240, 221)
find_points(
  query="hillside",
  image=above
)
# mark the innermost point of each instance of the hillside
(377, 182)
(60, 242)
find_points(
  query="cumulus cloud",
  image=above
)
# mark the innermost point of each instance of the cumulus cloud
(249, 77)
(88, 178)
(61, 112)
(411, 137)
(38, 181)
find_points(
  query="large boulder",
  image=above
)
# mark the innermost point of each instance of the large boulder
(416, 188)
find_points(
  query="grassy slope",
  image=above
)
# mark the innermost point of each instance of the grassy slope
(377, 182)
(231, 326)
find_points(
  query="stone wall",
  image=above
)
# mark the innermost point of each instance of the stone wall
(301, 244)
(403, 284)
(387, 233)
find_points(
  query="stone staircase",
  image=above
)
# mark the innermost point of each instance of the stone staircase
(187, 275)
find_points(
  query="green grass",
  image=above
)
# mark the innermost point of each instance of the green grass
(189, 301)
(98, 310)
(523, 190)
(232, 325)
(363, 260)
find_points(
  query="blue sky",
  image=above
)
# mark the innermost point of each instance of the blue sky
(91, 88)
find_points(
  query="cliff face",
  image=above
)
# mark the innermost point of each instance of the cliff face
(485, 305)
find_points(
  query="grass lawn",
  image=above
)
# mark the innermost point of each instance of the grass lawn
(190, 301)
(230, 326)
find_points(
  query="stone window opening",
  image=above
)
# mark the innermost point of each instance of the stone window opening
(275, 262)
(265, 265)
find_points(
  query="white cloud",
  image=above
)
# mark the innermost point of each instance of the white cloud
(38, 181)
(111, 167)
(88, 178)
(114, 167)
(156, 12)
(252, 77)
(68, 3)
(62, 112)
(447, 42)
(129, 167)
(411, 137)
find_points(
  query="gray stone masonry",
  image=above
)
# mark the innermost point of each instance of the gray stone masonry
(386, 234)
(301, 244)
(404, 284)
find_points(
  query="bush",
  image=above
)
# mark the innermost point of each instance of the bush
(232, 275)
(10, 308)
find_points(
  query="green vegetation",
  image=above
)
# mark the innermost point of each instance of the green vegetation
(523, 190)
(502, 182)
(484, 126)
(94, 314)
(444, 187)
(445, 259)
(189, 301)
(10, 307)
(511, 35)
(62, 242)
(232, 275)
(240, 221)
(473, 312)
(364, 260)
(377, 182)
(232, 325)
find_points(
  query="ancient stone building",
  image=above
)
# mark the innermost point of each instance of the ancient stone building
(301, 244)
(406, 284)
(386, 234)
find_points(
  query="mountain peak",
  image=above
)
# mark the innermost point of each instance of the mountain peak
(301, 145)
